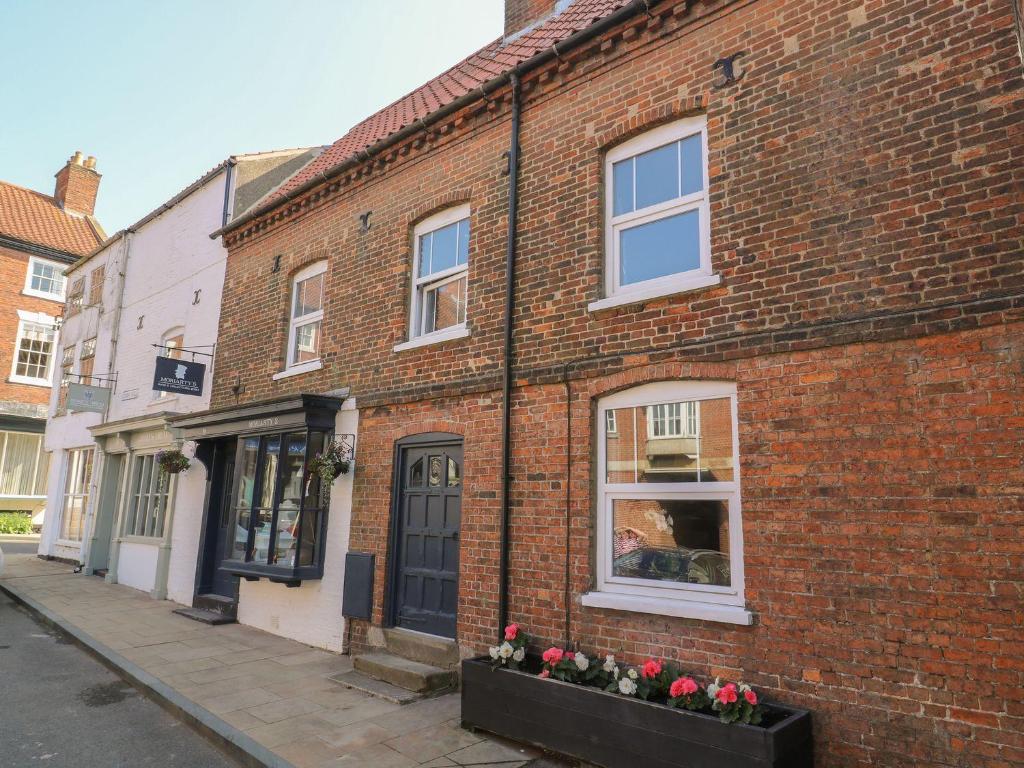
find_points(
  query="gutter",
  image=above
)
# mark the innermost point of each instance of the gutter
(584, 35)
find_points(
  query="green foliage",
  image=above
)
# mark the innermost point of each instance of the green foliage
(15, 522)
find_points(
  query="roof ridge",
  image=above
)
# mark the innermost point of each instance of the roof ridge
(36, 192)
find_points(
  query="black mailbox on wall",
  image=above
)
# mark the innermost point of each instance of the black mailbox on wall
(357, 599)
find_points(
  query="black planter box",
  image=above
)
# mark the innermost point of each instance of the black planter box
(620, 732)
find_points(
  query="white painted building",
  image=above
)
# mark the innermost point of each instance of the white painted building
(162, 282)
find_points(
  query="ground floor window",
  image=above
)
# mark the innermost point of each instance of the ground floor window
(23, 465)
(279, 514)
(668, 501)
(78, 476)
(146, 503)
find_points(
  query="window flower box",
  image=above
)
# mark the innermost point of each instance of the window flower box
(622, 732)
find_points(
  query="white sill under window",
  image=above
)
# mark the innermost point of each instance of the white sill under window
(446, 334)
(664, 606)
(42, 295)
(656, 290)
(16, 379)
(295, 370)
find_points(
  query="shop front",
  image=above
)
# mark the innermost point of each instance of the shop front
(263, 546)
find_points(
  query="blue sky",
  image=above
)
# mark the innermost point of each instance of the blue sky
(160, 92)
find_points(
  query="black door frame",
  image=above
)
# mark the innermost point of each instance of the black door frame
(424, 439)
(212, 455)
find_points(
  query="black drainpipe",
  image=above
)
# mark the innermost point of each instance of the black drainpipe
(506, 381)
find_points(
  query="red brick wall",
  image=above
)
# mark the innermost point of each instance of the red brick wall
(13, 268)
(867, 224)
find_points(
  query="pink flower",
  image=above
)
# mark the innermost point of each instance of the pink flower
(751, 697)
(511, 631)
(684, 686)
(544, 673)
(552, 655)
(726, 694)
(651, 669)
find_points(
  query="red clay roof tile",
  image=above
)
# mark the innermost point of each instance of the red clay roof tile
(489, 62)
(33, 217)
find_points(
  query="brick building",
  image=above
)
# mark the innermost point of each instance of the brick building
(40, 235)
(781, 237)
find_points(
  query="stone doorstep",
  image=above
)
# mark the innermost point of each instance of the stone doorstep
(405, 673)
(204, 615)
(426, 649)
(379, 688)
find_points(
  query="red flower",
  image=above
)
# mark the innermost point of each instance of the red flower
(727, 693)
(651, 669)
(684, 686)
(511, 631)
(552, 655)
(751, 697)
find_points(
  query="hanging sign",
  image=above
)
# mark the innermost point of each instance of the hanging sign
(183, 377)
(84, 397)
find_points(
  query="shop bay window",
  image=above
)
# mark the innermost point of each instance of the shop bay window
(279, 514)
(668, 502)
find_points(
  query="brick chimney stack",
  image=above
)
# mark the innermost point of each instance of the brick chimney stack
(77, 185)
(523, 14)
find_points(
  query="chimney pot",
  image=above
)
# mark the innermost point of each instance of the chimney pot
(77, 157)
(90, 162)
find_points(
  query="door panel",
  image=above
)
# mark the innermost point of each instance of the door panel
(429, 514)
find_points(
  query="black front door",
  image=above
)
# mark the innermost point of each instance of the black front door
(214, 580)
(428, 512)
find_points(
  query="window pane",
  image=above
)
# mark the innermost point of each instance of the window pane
(682, 442)
(310, 525)
(34, 351)
(622, 186)
(444, 306)
(692, 174)
(671, 540)
(291, 500)
(309, 295)
(311, 490)
(271, 453)
(657, 175)
(307, 343)
(445, 249)
(463, 255)
(243, 504)
(663, 247)
(261, 540)
(18, 472)
(425, 253)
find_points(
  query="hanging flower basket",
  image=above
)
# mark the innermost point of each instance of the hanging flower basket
(330, 463)
(172, 461)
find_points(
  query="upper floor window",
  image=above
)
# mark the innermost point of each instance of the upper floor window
(669, 530)
(440, 267)
(76, 296)
(86, 359)
(45, 279)
(172, 342)
(657, 231)
(96, 286)
(307, 314)
(67, 372)
(33, 354)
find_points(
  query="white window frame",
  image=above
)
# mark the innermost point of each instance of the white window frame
(83, 492)
(135, 495)
(167, 350)
(33, 318)
(434, 280)
(28, 290)
(699, 601)
(294, 323)
(703, 276)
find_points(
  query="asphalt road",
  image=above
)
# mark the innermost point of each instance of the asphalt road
(60, 708)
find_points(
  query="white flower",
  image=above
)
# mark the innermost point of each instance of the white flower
(616, 673)
(493, 650)
(519, 654)
(627, 686)
(506, 650)
(582, 662)
(713, 688)
(632, 674)
(609, 663)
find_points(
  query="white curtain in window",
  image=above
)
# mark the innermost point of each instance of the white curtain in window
(18, 474)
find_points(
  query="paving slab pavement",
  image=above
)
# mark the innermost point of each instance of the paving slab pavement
(268, 699)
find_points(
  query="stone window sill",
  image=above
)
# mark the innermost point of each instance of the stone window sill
(448, 334)
(295, 370)
(658, 291)
(662, 606)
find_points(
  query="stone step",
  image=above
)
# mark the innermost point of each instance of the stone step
(205, 616)
(405, 673)
(428, 649)
(217, 603)
(366, 684)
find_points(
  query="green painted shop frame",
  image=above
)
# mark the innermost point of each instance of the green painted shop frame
(277, 510)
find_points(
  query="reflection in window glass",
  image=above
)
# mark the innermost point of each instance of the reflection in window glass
(246, 487)
(683, 442)
(671, 540)
(454, 473)
(416, 473)
(290, 504)
(659, 248)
